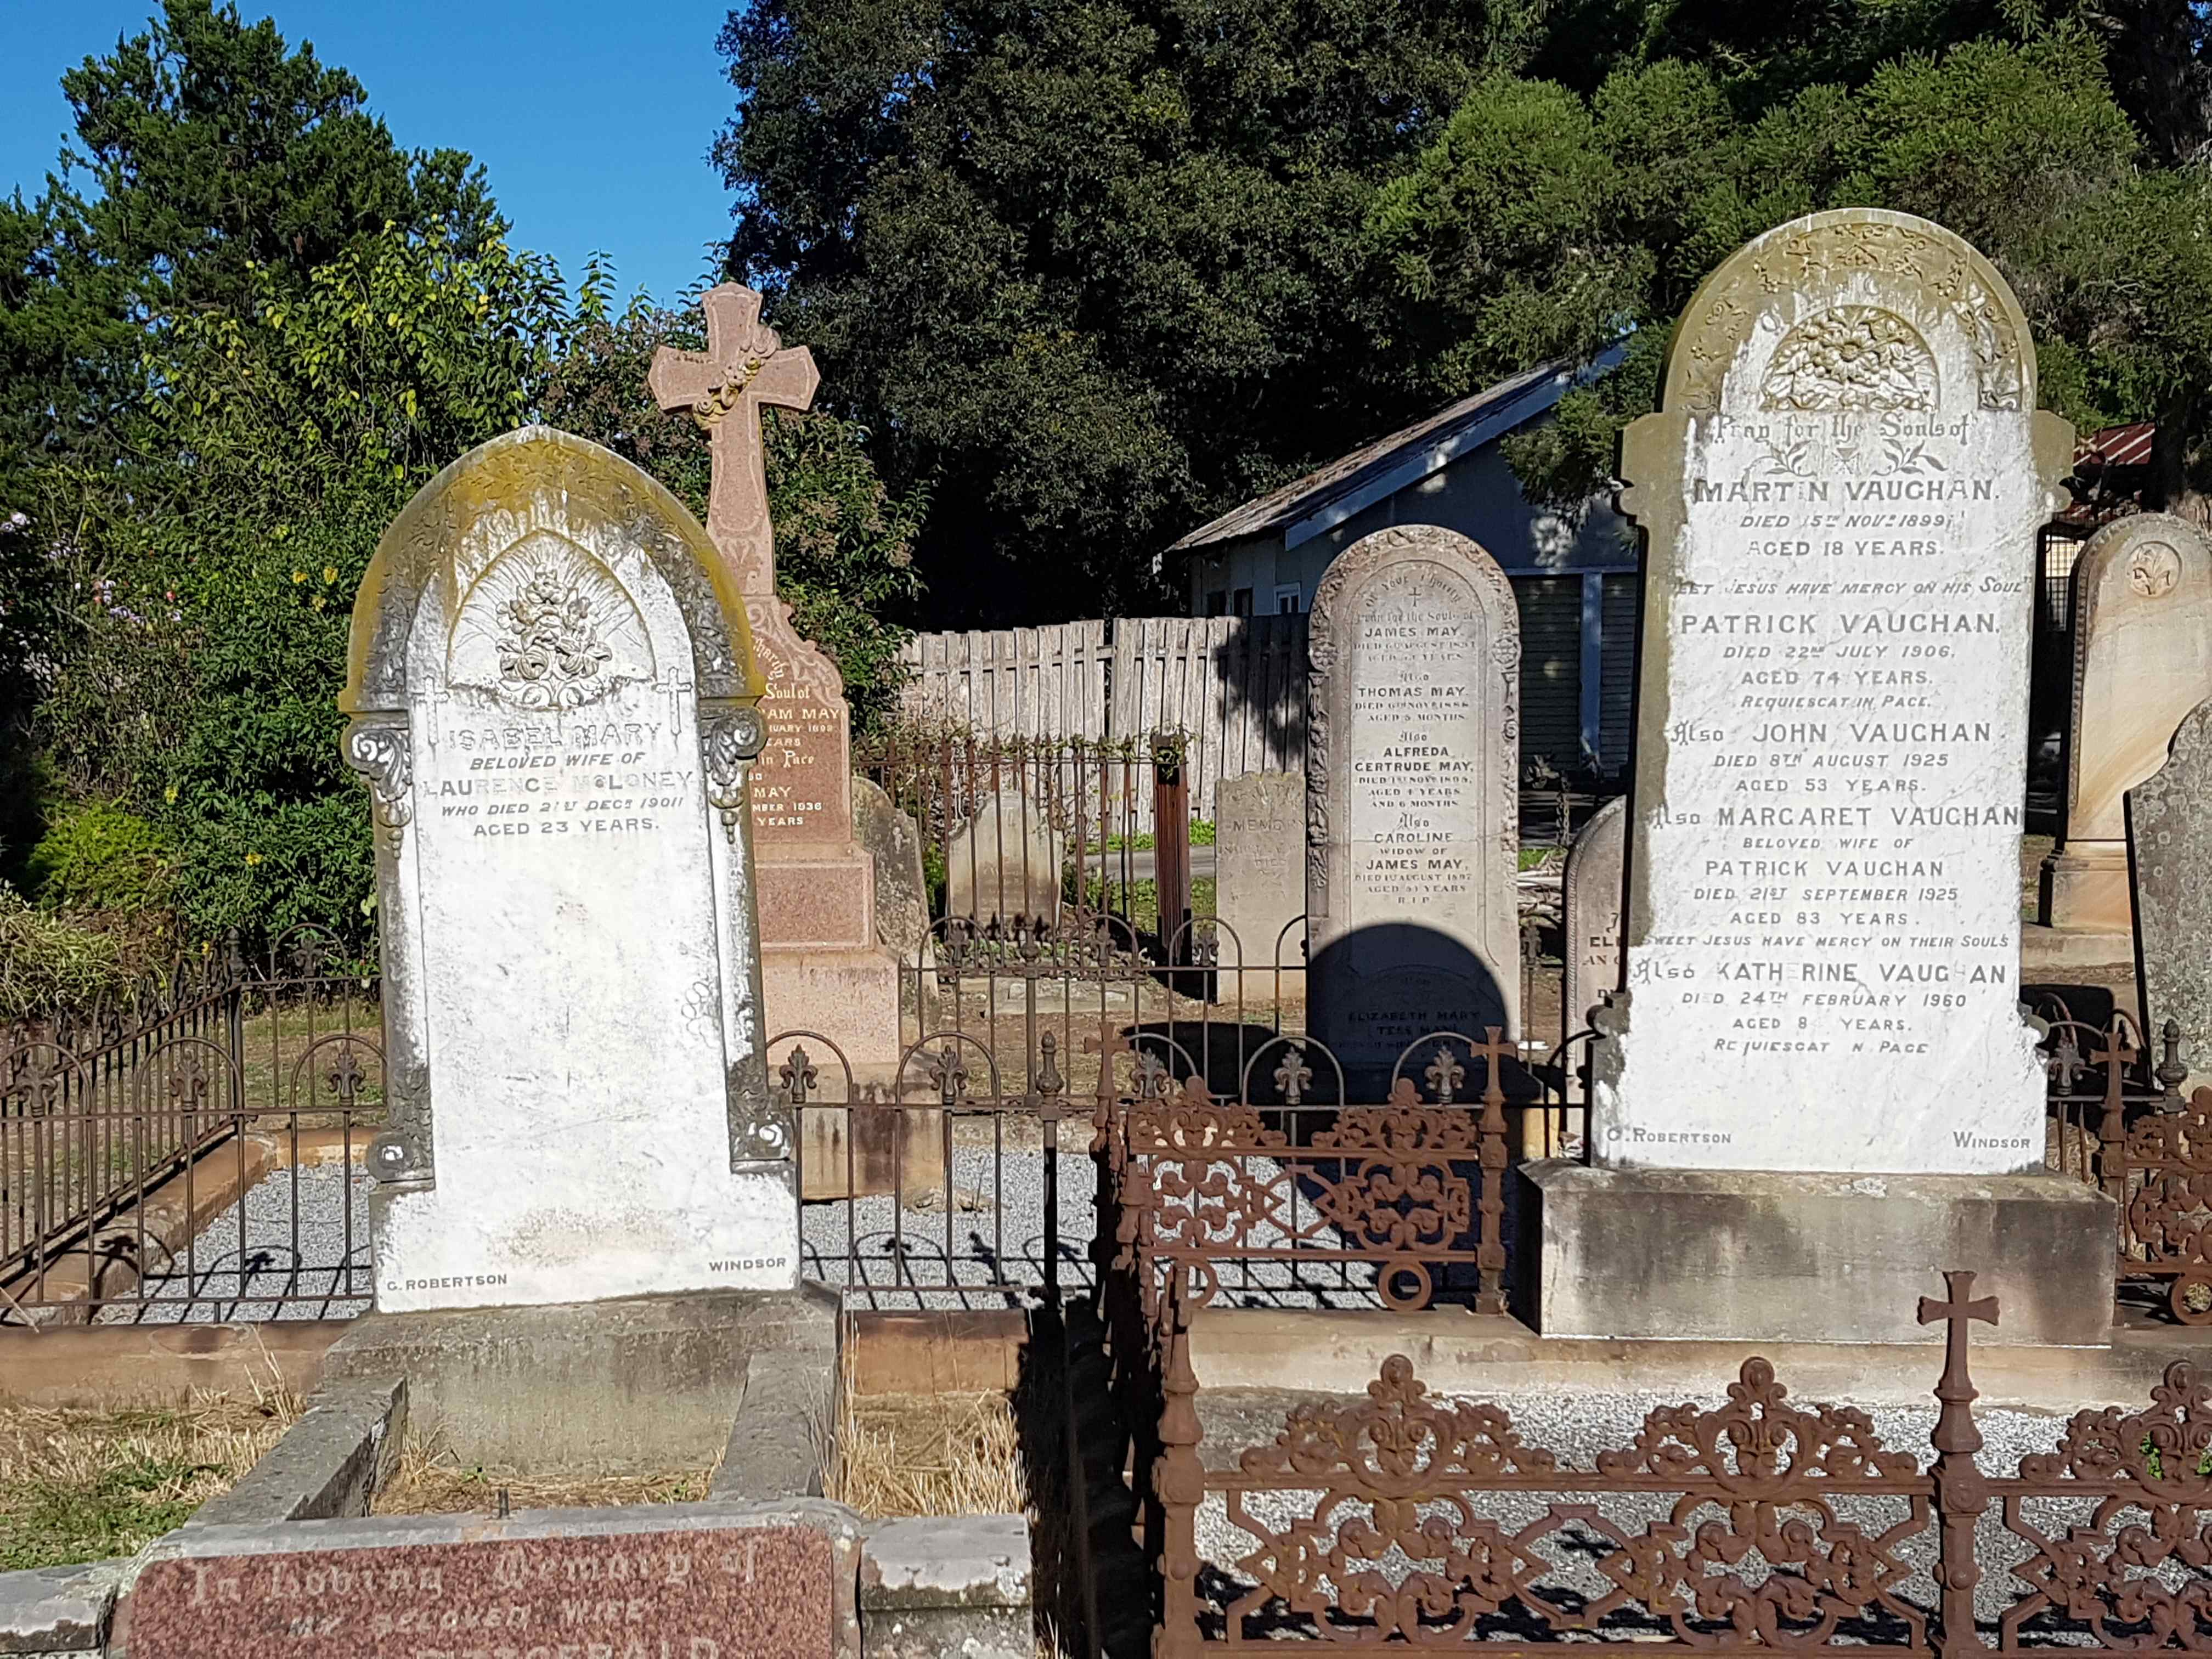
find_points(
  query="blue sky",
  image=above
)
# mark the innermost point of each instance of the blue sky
(592, 118)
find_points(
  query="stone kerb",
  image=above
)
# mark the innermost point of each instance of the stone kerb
(2142, 659)
(1412, 803)
(553, 701)
(1840, 495)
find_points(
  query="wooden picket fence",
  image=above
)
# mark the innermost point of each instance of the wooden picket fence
(1235, 687)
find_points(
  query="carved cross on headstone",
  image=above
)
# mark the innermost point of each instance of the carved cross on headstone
(745, 366)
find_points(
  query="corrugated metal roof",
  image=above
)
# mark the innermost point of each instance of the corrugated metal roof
(1306, 498)
(2117, 446)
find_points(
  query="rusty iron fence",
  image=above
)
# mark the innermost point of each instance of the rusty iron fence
(2118, 1121)
(1757, 1526)
(153, 1147)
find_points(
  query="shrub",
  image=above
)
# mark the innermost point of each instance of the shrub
(49, 964)
(99, 856)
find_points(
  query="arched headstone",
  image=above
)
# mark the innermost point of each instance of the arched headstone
(1413, 796)
(2142, 659)
(553, 699)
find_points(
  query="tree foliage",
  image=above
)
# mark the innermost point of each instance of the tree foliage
(1105, 268)
(2020, 146)
(1091, 267)
(286, 326)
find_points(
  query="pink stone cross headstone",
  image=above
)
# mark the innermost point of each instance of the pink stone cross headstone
(745, 366)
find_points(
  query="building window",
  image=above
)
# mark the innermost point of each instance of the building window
(1240, 603)
(1217, 603)
(1289, 601)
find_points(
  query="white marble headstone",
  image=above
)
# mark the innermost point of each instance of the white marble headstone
(1842, 494)
(1413, 796)
(554, 699)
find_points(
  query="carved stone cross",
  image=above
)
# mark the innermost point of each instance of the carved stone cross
(745, 366)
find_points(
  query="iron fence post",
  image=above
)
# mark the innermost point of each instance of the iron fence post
(1961, 1492)
(1172, 844)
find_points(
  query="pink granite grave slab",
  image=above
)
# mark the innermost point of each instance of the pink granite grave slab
(734, 1593)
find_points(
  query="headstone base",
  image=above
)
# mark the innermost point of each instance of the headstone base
(2084, 888)
(648, 1383)
(2045, 950)
(1753, 1256)
(850, 995)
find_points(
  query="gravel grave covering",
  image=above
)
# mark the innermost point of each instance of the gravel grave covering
(320, 1265)
(995, 1230)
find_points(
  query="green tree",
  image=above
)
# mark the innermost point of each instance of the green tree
(1541, 221)
(209, 161)
(196, 673)
(1091, 269)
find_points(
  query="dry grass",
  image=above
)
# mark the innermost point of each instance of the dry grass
(945, 1454)
(431, 1480)
(84, 1485)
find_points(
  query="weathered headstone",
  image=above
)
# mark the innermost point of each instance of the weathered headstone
(2142, 659)
(554, 703)
(1821, 1028)
(2170, 846)
(893, 842)
(822, 965)
(1260, 869)
(1591, 897)
(693, 1593)
(1006, 861)
(1413, 796)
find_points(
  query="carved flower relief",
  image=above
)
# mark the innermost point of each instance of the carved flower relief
(1850, 357)
(547, 627)
(2154, 571)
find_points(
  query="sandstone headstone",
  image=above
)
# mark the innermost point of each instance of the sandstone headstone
(1841, 495)
(1591, 899)
(893, 842)
(554, 703)
(2142, 659)
(823, 967)
(1412, 780)
(1006, 861)
(1260, 869)
(731, 1593)
(2170, 837)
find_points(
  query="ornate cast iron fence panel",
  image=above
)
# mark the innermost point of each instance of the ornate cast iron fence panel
(1756, 1527)
(2119, 1122)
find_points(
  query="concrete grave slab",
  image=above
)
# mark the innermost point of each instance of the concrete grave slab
(57, 1610)
(648, 1383)
(2170, 840)
(1591, 895)
(1260, 873)
(1006, 861)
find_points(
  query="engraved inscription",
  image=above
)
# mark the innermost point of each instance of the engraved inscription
(725, 1593)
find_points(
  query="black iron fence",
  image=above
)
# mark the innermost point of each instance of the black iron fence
(153, 1148)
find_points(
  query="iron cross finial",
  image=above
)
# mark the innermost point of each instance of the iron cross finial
(1955, 1387)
